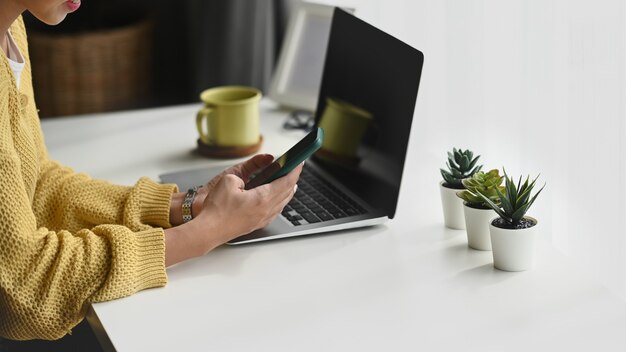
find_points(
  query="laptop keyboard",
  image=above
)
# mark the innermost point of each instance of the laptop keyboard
(317, 200)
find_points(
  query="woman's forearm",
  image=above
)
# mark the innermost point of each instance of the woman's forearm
(187, 241)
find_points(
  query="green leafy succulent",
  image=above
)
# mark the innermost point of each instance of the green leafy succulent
(487, 184)
(514, 201)
(461, 164)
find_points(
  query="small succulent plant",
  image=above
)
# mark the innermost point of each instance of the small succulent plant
(461, 164)
(514, 202)
(487, 184)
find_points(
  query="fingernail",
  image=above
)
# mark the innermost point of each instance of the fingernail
(295, 188)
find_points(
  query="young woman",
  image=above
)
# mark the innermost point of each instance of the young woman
(67, 240)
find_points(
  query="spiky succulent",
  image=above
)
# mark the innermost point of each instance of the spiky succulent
(514, 201)
(461, 164)
(487, 184)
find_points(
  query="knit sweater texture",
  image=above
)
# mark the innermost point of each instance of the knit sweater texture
(66, 240)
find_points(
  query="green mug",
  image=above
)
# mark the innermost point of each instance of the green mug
(230, 115)
(344, 126)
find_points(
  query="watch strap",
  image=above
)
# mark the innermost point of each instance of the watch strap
(188, 202)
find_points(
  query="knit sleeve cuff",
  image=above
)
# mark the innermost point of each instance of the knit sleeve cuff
(150, 259)
(137, 261)
(155, 202)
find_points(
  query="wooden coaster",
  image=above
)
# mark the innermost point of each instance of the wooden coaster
(219, 152)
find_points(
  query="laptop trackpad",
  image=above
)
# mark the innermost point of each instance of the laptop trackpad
(186, 179)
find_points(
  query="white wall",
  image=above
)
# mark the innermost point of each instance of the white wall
(537, 86)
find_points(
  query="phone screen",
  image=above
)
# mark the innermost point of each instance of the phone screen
(282, 165)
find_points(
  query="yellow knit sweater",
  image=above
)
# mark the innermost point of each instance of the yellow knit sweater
(65, 240)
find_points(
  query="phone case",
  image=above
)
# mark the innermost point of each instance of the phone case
(291, 163)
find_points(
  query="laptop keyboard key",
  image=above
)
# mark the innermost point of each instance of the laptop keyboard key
(298, 207)
(310, 217)
(324, 216)
(339, 214)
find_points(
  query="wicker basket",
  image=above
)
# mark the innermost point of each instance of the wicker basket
(92, 72)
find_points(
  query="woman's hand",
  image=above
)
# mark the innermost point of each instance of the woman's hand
(228, 211)
(239, 212)
(243, 170)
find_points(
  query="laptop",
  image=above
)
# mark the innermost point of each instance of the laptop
(380, 74)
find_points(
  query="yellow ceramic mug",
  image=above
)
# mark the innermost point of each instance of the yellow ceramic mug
(230, 115)
(344, 126)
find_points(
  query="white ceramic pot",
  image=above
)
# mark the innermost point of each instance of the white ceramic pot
(452, 207)
(513, 250)
(477, 223)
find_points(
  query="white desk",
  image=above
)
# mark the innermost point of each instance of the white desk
(409, 285)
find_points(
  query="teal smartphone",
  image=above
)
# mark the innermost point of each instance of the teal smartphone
(288, 161)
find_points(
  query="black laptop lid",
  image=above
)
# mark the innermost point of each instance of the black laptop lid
(379, 73)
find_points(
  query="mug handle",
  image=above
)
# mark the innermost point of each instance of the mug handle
(204, 112)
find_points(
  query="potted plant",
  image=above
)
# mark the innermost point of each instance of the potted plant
(512, 233)
(461, 164)
(478, 214)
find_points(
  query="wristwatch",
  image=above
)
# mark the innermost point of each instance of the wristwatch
(188, 202)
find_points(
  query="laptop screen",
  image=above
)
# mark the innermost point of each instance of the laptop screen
(367, 98)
